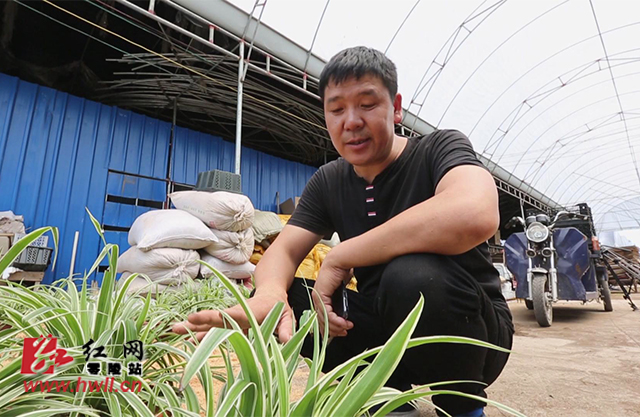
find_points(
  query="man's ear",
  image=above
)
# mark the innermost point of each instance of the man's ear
(397, 109)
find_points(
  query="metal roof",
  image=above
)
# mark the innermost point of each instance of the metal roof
(233, 19)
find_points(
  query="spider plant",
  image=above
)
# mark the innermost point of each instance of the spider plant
(110, 318)
(262, 385)
(259, 386)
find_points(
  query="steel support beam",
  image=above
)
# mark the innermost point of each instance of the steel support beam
(239, 107)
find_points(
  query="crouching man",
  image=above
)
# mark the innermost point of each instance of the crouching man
(413, 216)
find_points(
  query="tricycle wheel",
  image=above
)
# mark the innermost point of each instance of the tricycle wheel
(529, 304)
(541, 303)
(605, 293)
(606, 297)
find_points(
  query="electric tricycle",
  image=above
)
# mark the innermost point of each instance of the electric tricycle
(555, 260)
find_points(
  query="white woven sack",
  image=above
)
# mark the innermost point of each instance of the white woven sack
(233, 247)
(163, 265)
(169, 229)
(142, 287)
(242, 271)
(219, 210)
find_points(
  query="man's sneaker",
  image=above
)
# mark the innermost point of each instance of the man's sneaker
(409, 413)
(478, 412)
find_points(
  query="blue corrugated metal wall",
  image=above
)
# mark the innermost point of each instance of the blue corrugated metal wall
(56, 150)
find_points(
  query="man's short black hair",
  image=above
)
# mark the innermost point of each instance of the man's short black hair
(357, 62)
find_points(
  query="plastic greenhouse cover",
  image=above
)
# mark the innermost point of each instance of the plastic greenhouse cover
(547, 89)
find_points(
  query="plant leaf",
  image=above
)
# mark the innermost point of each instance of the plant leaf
(270, 322)
(232, 396)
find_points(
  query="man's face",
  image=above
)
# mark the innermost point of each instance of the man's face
(360, 117)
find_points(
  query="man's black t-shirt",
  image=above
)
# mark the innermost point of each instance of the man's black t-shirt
(336, 199)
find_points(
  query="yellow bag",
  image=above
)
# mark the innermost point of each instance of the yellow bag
(284, 218)
(310, 266)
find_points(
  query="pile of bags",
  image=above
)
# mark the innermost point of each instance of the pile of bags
(167, 244)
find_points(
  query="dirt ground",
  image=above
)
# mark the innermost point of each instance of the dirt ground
(586, 364)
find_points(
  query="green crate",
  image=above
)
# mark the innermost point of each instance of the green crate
(217, 180)
(33, 258)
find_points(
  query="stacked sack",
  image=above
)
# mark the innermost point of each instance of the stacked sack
(229, 218)
(164, 246)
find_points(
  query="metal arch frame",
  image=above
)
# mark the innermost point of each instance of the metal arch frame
(576, 161)
(615, 88)
(604, 191)
(622, 184)
(595, 191)
(605, 203)
(606, 57)
(618, 216)
(425, 128)
(577, 138)
(507, 89)
(573, 138)
(268, 57)
(393, 38)
(568, 117)
(545, 94)
(609, 184)
(535, 154)
(491, 54)
(550, 92)
(451, 50)
(635, 204)
(574, 134)
(575, 172)
(536, 95)
(582, 155)
(313, 41)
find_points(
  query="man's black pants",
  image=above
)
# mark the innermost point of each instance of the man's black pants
(455, 305)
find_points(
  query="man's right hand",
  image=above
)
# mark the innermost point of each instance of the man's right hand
(260, 304)
(280, 260)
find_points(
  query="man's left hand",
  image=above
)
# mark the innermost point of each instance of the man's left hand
(331, 275)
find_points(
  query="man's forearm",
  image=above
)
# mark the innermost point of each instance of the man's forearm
(277, 268)
(274, 272)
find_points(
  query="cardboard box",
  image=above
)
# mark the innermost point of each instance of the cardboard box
(288, 206)
(6, 239)
(26, 276)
